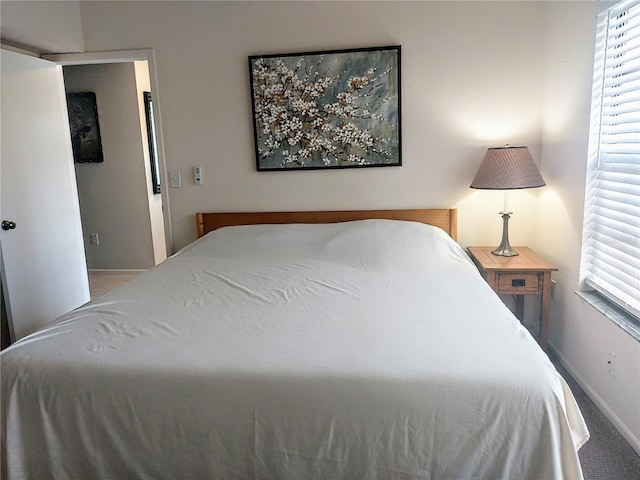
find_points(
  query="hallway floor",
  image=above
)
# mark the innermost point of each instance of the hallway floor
(101, 283)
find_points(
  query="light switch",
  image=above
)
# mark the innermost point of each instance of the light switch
(197, 175)
(175, 180)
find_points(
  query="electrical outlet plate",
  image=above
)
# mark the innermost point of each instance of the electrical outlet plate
(175, 180)
(197, 175)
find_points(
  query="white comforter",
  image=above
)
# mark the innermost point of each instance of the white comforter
(361, 350)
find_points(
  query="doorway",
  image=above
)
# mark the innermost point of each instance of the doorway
(121, 212)
(139, 65)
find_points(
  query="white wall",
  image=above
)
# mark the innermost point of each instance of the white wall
(43, 26)
(580, 335)
(114, 201)
(466, 86)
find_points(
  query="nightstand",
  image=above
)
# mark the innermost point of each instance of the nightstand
(524, 274)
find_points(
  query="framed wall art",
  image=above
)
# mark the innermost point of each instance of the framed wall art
(84, 126)
(329, 109)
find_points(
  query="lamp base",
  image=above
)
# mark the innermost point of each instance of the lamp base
(505, 250)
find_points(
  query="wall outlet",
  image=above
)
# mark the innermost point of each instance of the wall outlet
(611, 363)
(197, 175)
(94, 239)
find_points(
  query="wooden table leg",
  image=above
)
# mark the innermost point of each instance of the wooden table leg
(545, 303)
(490, 278)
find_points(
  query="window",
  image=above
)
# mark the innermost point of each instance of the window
(611, 234)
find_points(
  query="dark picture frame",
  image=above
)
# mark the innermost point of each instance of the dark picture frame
(85, 127)
(327, 109)
(153, 145)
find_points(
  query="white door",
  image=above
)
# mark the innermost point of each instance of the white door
(44, 272)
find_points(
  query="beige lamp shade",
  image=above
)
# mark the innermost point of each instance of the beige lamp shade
(507, 168)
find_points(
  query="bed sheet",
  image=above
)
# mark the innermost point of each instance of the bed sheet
(369, 349)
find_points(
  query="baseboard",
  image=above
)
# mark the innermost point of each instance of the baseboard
(597, 399)
(115, 271)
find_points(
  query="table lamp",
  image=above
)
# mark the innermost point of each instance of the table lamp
(507, 168)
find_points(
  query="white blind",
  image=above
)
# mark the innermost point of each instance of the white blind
(611, 238)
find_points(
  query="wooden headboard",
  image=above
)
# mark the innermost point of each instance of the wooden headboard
(445, 218)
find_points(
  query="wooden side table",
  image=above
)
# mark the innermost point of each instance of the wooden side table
(524, 274)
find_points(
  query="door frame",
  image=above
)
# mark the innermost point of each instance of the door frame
(127, 56)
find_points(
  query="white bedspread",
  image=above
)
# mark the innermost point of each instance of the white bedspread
(361, 350)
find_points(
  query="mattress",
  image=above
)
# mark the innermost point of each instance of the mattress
(360, 350)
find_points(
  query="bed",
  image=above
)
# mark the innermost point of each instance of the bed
(307, 345)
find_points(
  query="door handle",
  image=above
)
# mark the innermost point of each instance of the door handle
(8, 225)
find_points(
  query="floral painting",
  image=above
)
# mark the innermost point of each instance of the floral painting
(85, 130)
(332, 109)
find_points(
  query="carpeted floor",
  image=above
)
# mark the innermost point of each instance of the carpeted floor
(607, 455)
